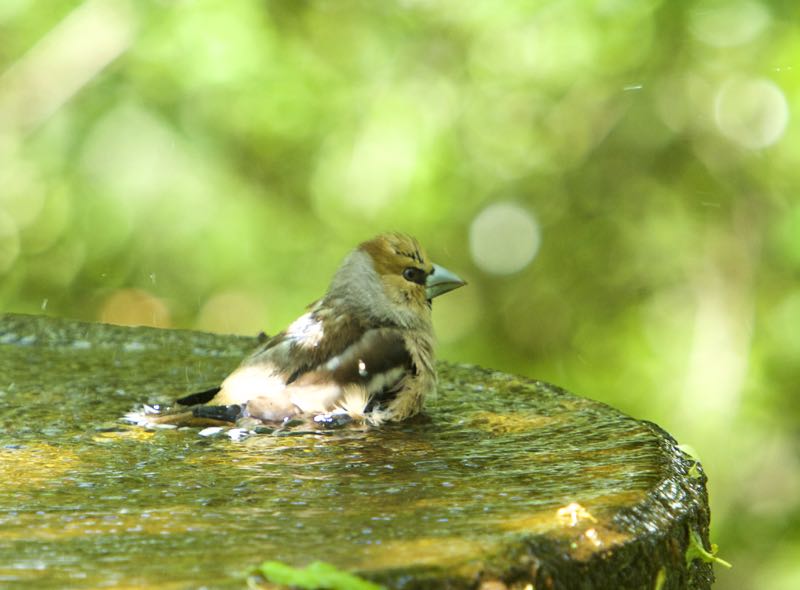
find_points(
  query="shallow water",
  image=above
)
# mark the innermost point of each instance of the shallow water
(86, 502)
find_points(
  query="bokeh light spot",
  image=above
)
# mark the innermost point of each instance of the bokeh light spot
(134, 307)
(380, 169)
(370, 168)
(727, 24)
(751, 112)
(504, 238)
(232, 312)
(133, 155)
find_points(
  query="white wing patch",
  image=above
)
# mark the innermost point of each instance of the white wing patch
(306, 331)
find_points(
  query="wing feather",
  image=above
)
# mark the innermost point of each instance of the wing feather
(371, 367)
(376, 353)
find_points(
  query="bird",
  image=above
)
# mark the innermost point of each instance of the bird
(364, 352)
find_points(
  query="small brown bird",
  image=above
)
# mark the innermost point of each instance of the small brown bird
(364, 351)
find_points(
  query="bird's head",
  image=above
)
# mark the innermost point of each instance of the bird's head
(391, 275)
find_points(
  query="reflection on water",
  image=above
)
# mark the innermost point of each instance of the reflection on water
(86, 501)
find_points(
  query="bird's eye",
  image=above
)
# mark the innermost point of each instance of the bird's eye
(415, 275)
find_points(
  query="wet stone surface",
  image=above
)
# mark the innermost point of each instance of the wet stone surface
(503, 479)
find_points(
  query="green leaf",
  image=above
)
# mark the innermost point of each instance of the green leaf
(696, 550)
(317, 576)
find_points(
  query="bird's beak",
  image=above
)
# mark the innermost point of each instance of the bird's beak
(441, 281)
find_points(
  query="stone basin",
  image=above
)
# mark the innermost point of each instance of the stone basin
(504, 482)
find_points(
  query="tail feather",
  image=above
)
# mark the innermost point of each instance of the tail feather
(221, 413)
(197, 416)
(201, 397)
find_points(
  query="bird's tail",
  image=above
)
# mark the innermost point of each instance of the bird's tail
(152, 417)
(201, 397)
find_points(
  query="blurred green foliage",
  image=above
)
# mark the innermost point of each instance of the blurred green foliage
(617, 179)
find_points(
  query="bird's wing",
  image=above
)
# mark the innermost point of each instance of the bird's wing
(281, 359)
(371, 367)
(375, 353)
(311, 340)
